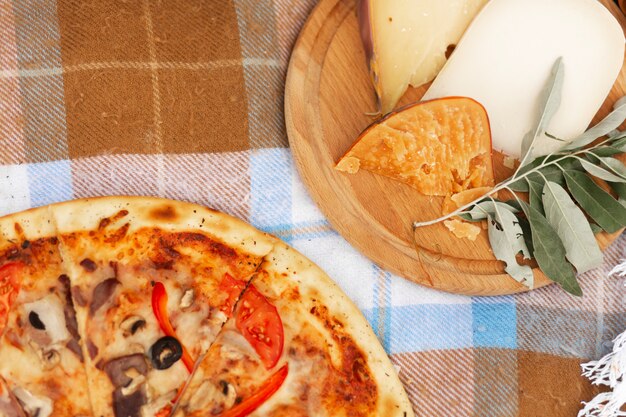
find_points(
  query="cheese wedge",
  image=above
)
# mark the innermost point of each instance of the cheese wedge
(438, 147)
(406, 41)
(505, 58)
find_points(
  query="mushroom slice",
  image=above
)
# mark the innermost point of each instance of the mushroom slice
(136, 382)
(187, 299)
(230, 393)
(118, 369)
(132, 324)
(128, 373)
(206, 394)
(102, 293)
(50, 359)
(151, 408)
(33, 405)
(129, 405)
(9, 405)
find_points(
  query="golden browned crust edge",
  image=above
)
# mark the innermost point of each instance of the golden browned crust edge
(169, 215)
(315, 286)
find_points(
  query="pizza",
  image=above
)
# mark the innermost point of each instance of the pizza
(138, 307)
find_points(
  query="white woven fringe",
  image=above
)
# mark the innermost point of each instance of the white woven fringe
(619, 270)
(609, 371)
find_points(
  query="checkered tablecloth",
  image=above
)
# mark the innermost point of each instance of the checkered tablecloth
(184, 99)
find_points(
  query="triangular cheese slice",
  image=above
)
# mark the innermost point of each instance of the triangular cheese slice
(439, 147)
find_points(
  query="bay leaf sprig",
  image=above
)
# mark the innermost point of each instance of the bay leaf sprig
(566, 203)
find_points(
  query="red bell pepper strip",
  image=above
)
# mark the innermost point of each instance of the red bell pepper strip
(9, 289)
(165, 411)
(258, 398)
(159, 307)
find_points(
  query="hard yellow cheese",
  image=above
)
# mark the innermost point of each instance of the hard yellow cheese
(505, 58)
(409, 40)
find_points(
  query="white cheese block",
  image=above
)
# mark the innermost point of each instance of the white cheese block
(410, 39)
(504, 60)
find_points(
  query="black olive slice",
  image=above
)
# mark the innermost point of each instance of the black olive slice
(35, 321)
(165, 352)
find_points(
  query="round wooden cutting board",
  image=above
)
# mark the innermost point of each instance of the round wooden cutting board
(327, 100)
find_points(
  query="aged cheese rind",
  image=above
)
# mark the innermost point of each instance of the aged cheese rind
(505, 58)
(410, 39)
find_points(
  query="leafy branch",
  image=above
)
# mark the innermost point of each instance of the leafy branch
(566, 206)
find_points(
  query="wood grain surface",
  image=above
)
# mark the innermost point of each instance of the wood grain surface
(328, 97)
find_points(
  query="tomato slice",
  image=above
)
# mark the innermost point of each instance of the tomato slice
(232, 288)
(253, 402)
(159, 308)
(259, 322)
(9, 288)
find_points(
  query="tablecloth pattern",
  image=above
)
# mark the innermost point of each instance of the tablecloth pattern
(184, 99)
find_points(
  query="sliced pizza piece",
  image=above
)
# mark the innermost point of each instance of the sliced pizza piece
(296, 346)
(41, 364)
(153, 282)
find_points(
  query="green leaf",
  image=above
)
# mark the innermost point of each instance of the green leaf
(551, 172)
(527, 234)
(619, 142)
(487, 208)
(606, 126)
(614, 165)
(537, 162)
(607, 212)
(521, 186)
(549, 252)
(595, 228)
(606, 151)
(572, 227)
(617, 134)
(548, 161)
(505, 237)
(600, 172)
(515, 204)
(535, 191)
(620, 190)
(550, 101)
(468, 218)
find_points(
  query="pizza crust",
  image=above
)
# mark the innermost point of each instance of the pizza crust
(315, 289)
(31, 224)
(169, 215)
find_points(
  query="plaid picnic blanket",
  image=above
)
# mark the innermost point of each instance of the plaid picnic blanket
(184, 99)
